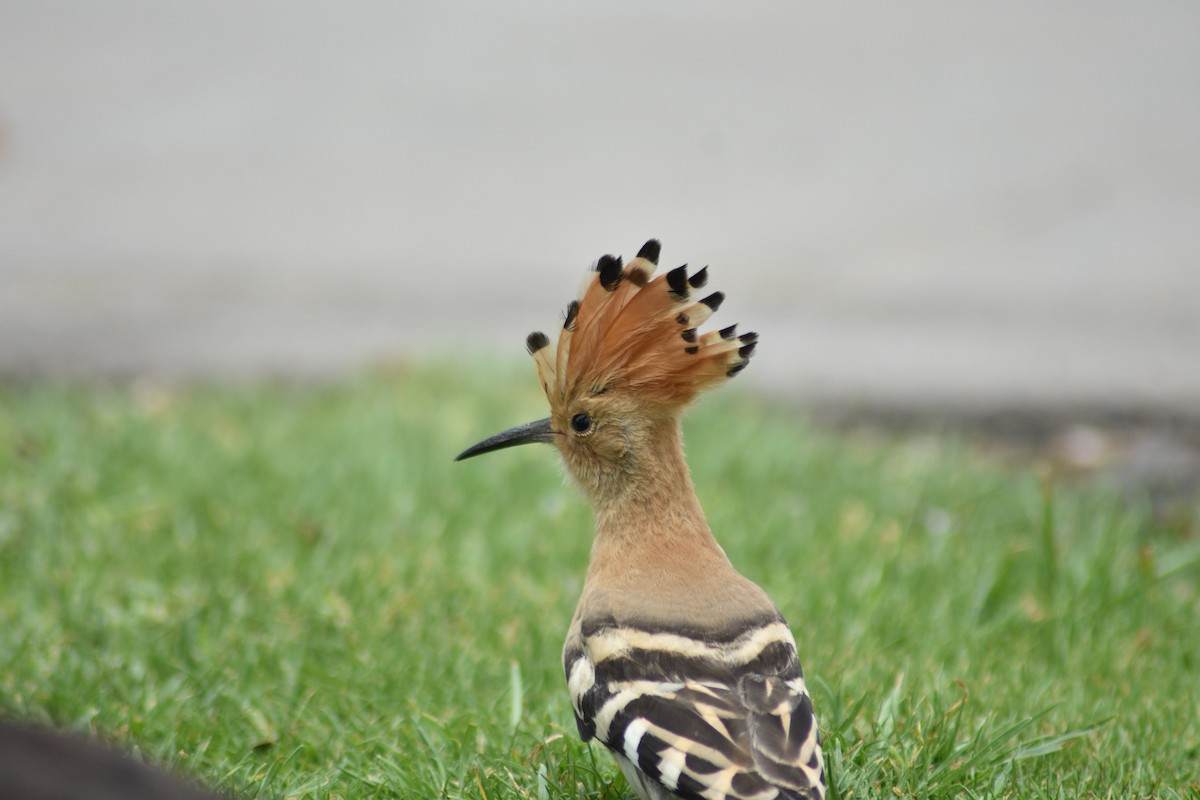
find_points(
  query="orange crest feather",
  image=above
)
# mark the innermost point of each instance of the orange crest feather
(629, 331)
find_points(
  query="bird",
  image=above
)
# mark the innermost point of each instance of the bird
(674, 661)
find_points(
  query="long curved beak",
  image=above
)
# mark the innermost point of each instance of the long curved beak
(539, 431)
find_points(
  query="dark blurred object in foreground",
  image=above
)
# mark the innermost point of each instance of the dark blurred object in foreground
(41, 764)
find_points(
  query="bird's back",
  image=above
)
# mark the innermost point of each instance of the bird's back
(684, 668)
(697, 713)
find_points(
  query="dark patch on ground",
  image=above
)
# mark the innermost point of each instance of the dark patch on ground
(1149, 456)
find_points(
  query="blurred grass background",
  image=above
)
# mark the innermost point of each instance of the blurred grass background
(291, 591)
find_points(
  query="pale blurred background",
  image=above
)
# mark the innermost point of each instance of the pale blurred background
(921, 204)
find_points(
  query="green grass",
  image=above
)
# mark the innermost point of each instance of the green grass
(293, 591)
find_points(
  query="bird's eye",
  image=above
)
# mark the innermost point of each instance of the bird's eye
(581, 423)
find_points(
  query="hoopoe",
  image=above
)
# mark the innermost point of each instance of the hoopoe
(678, 664)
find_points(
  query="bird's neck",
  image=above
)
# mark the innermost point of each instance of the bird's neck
(654, 561)
(655, 501)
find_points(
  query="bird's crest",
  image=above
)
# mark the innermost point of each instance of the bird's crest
(632, 331)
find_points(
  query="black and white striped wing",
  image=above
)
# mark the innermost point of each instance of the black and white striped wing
(700, 720)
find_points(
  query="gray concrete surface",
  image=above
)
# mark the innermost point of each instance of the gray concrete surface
(920, 204)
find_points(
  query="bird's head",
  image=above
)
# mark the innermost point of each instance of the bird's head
(629, 358)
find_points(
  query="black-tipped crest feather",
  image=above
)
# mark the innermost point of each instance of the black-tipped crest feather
(677, 280)
(609, 268)
(650, 251)
(536, 341)
(570, 314)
